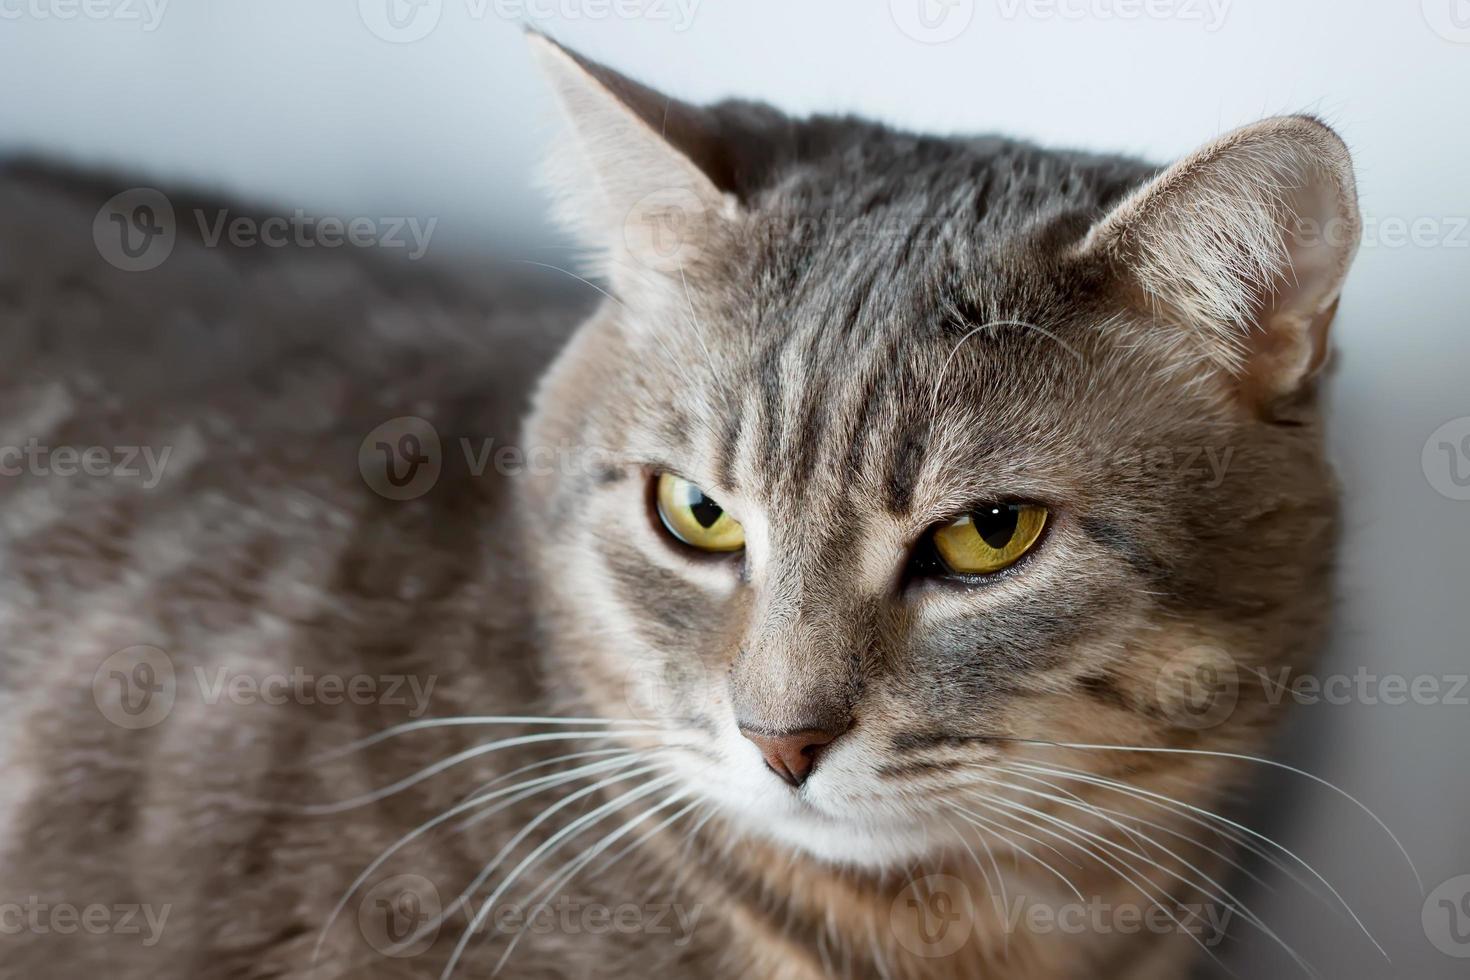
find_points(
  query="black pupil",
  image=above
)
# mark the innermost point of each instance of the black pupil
(705, 510)
(996, 525)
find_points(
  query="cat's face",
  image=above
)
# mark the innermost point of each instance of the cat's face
(890, 481)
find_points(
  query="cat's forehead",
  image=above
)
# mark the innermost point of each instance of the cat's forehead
(891, 352)
(896, 405)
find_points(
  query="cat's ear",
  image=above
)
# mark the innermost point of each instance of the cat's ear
(1246, 243)
(640, 179)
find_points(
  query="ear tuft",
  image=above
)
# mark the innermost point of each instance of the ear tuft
(1247, 241)
(626, 178)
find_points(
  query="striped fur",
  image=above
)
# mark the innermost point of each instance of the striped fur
(876, 331)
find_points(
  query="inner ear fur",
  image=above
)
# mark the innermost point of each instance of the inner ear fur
(1244, 245)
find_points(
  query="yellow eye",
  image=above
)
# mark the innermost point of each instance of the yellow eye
(694, 518)
(989, 538)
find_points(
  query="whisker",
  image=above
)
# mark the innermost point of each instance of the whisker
(551, 842)
(992, 887)
(1106, 812)
(516, 793)
(466, 824)
(414, 726)
(1142, 889)
(429, 772)
(643, 837)
(1168, 805)
(1139, 792)
(568, 870)
(1248, 758)
(1225, 895)
(980, 821)
(944, 369)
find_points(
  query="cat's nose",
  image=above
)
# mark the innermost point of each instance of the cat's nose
(790, 755)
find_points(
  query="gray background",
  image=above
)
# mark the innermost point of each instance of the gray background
(302, 104)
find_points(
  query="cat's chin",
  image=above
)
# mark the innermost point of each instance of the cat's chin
(847, 844)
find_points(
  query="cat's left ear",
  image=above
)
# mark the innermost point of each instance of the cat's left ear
(642, 179)
(1244, 245)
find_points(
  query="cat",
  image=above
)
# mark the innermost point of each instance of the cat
(872, 583)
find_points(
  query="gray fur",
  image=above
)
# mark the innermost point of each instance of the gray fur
(877, 331)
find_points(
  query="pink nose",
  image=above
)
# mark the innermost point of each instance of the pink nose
(791, 755)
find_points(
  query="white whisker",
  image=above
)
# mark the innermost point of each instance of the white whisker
(516, 793)
(979, 821)
(414, 726)
(554, 840)
(568, 870)
(429, 772)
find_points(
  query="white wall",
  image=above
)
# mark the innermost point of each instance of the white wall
(300, 103)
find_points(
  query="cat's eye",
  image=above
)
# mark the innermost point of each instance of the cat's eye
(692, 516)
(989, 538)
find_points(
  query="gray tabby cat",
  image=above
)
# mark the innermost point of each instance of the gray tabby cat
(837, 610)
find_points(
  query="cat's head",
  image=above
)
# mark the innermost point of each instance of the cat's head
(905, 454)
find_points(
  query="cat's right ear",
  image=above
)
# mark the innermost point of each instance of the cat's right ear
(1238, 252)
(640, 179)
